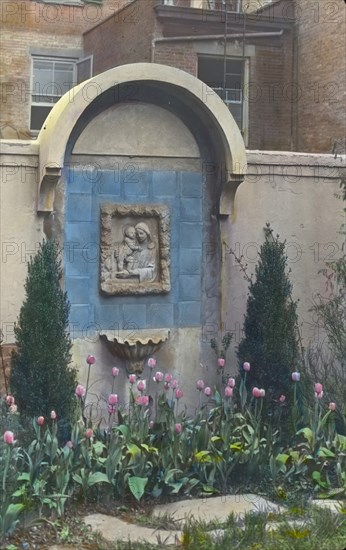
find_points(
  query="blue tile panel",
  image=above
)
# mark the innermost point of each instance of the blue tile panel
(86, 190)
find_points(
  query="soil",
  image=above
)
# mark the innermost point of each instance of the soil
(42, 533)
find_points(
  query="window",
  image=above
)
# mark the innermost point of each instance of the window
(51, 79)
(226, 78)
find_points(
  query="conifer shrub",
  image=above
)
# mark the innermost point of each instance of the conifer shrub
(41, 377)
(270, 342)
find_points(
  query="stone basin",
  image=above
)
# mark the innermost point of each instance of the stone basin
(135, 347)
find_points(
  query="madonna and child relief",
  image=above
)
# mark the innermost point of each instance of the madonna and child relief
(134, 249)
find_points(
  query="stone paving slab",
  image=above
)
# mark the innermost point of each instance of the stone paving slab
(114, 529)
(333, 505)
(216, 508)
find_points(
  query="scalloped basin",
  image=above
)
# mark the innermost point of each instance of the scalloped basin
(135, 348)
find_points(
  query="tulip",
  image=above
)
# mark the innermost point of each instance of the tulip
(174, 384)
(221, 362)
(262, 393)
(141, 385)
(111, 409)
(89, 433)
(9, 400)
(231, 382)
(158, 377)
(282, 398)
(228, 391)
(295, 376)
(246, 366)
(9, 438)
(168, 378)
(69, 444)
(53, 415)
(178, 393)
(80, 391)
(13, 409)
(151, 362)
(115, 371)
(142, 400)
(256, 392)
(113, 399)
(132, 378)
(318, 388)
(200, 385)
(40, 420)
(151, 424)
(90, 360)
(166, 386)
(177, 428)
(332, 406)
(319, 395)
(207, 391)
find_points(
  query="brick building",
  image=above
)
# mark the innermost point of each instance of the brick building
(260, 58)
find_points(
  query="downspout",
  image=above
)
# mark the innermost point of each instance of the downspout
(196, 38)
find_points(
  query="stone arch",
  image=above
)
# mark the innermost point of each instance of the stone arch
(196, 95)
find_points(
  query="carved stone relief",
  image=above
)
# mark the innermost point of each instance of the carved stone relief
(134, 249)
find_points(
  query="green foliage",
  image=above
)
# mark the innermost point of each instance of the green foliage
(270, 342)
(41, 379)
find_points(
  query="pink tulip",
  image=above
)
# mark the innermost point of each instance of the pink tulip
(166, 386)
(151, 362)
(115, 371)
(200, 385)
(332, 406)
(318, 388)
(141, 385)
(158, 377)
(53, 415)
(69, 444)
(231, 382)
(111, 409)
(295, 376)
(113, 399)
(246, 366)
(142, 400)
(132, 378)
(282, 398)
(9, 438)
(228, 391)
(262, 393)
(174, 384)
(207, 391)
(80, 391)
(319, 395)
(179, 393)
(256, 392)
(40, 420)
(221, 362)
(90, 360)
(168, 378)
(177, 428)
(9, 400)
(89, 433)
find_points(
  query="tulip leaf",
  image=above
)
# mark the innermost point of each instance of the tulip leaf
(137, 486)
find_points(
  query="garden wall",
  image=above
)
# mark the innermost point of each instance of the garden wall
(294, 192)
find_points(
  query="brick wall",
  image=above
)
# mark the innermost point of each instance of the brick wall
(181, 56)
(125, 38)
(26, 25)
(269, 95)
(321, 69)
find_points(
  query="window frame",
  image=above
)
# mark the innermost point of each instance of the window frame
(244, 84)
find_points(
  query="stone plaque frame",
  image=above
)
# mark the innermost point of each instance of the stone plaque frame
(115, 217)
